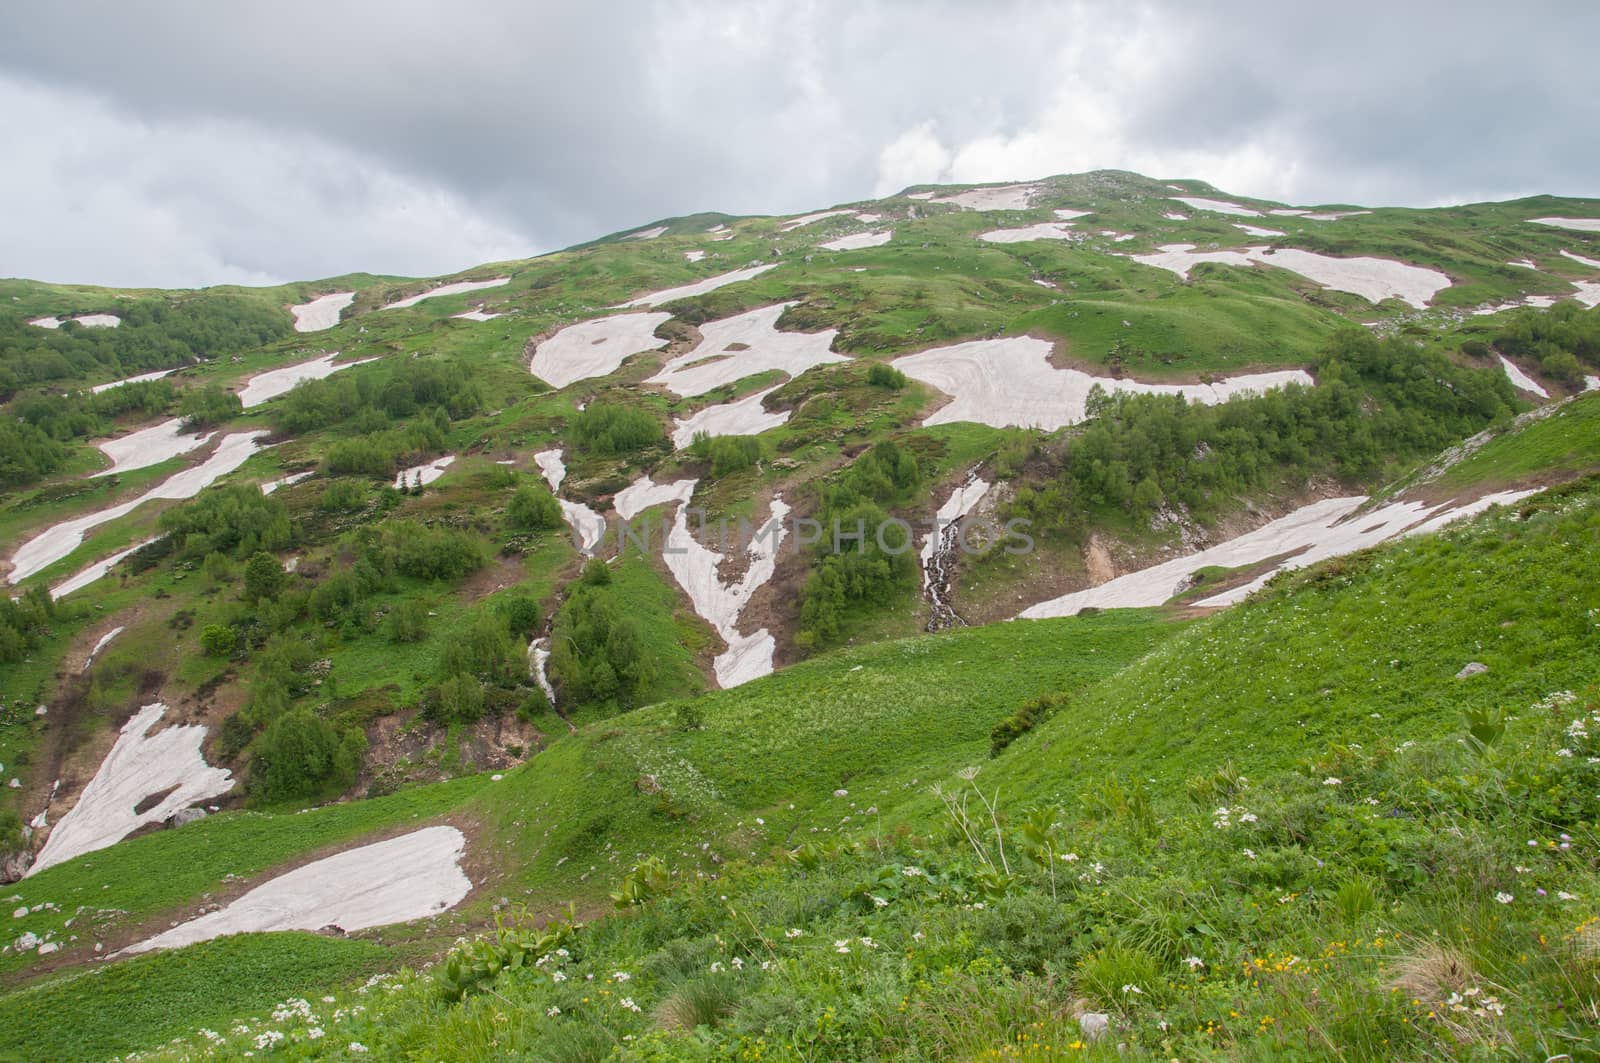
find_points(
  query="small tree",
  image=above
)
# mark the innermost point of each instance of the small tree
(218, 640)
(263, 577)
(532, 509)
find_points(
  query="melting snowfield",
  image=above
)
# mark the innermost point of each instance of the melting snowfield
(1374, 279)
(100, 645)
(457, 288)
(1045, 230)
(1256, 230)
(139, 766)
(646, 234)
(595, 348)
(807, 219)
(743, 417)
(695, 568)
(264, 387)
(1592, 263)
(424, 474)
(82, 579)
(475, 315)
(588, 527)
(1310, 534)
(159, 373)
(645, 492)
(86, 320)
(52, 545)
(287, 481)
(857, 241)
(1217, 206)
(1582, 225)
(322, 312)
(1010, 382)
(148, 446)
(1005, 197)
(1522, 380)
(409, 877)
(710, 284)
(739, 346)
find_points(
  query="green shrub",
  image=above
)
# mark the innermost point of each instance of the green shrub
(218, 640)
(1025, 719)
(614, 431)
(302, 755)
(532, 508)
(882, 375)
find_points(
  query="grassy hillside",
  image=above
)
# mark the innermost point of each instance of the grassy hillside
(1222, 870)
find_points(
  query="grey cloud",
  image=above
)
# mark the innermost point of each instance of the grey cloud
(483, 127)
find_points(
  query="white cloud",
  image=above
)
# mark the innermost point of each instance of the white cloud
(111, 199)
(915, 157)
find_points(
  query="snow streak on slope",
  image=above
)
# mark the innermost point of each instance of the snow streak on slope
(148, 446)
(409, 877)
(322, 312)
(595, 348)
(710, 284)
(457, 288)
(739, 346)
(139, 766)
(1010, 383)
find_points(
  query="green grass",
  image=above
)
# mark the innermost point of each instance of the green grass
(100, 1012)
(1227, 867)
(1567, 441)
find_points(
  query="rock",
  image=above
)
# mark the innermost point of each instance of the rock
(1472, 668)
(185, 816)
(15, 784)
(14, 865)
(20, 912)
(27, 941)
(1094, 1024)
(42, 710)
(48, 947)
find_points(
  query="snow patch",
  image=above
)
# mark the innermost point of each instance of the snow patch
(1374, 279)
(646, 234)
(409, 877)
(264, 387)
(710, 284)
(140, 379)
(148, 446)
(695, 569)
(1217, 206)
(1173, 215)
(424, 474)
(856, 241)
(288, 481)
(1256, 230)
(694, 256)
(807, 219)
(1009, 382)
(88, 575)
(551, 467)
(764, 348)
(1312, 533)
(1592, 263)
(742, 417)
(57, 542)
(595, 348)
(455, 288)
(100, 645)
(140, 765)
(645, 492)
(1582, 225)
(1004, 197)
(475, 315)
(1522, 381)
(86, 320)
(322, 312)
(1045, 230)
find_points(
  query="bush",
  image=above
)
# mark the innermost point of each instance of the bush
(218, 640)
(615, 431)
(205, 407)
(301, 755)
(882, 375)
(263, 577)
(406, 622)
(532, 508)
(1025, 719)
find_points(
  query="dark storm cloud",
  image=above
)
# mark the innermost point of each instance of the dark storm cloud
(193, 142)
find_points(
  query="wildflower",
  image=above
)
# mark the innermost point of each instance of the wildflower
(1251, 853)
(268, 1038)
(1331, 781)
(842, 946)
(738, 963)
(552, 1011)
(1194, 962)
(1504, 898)
(621, 976)
(716, 966)
(628, 1003)
(1129, 987)
(358, 1048)
(878, 901)
(314, 1033)
(1247, 817)
(841, 793)
(1070, 858)
(793, 932)
(868, 942)
(563, 953)
(1563, 752)
(1565, 896)
(558, 976)
(918, 936)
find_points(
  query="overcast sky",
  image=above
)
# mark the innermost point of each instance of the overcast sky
(197, 142)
